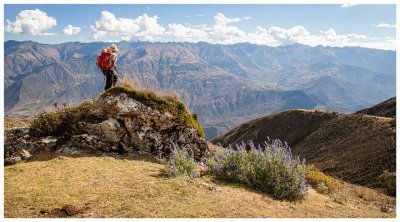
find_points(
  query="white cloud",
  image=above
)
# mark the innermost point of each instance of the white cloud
(31, 22)
(142, 28)
(385, 25)
(221, 32)
(71, 30)
(347, 5)
(186, 33)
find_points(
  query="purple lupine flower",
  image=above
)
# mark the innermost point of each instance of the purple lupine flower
(274, 184)
(268, 138)
(195, 163)
(304, 160)
(236, 171)
(241, 156)
(308, 166)
(174, 169)
(165, 161)
(187, 155)
(194, 174)
(282, 161)
(245, 178)
(308, 175)
(295, 165)
(290, 150)
(170, 148)
(286, 145)
(298, 159)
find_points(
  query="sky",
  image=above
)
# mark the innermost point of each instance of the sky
(365, 25)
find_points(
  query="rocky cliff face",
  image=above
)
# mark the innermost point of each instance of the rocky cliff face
(115, 122)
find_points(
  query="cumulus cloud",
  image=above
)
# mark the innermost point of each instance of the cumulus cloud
(143, 28)
(385, 25)
(31, 22)
(221, 31)
(218, 32)
(71, 30)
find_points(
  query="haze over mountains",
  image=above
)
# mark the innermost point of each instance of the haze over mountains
(225, 84)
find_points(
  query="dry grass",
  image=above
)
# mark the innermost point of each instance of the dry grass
(135, 187)
(10, 122)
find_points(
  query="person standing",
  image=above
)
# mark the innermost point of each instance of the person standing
(111, 77)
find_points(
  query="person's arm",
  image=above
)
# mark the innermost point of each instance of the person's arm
(113, 60)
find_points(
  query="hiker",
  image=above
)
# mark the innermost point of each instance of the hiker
(106, 62)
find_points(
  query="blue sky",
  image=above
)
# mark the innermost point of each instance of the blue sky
(370, 26)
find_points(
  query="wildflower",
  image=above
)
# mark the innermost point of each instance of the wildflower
(187, 155)
(194, 174)
(174, 169)
(304, 160)
(165, 161)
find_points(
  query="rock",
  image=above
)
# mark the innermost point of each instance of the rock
(71, 210)
(386, 209)
(115, 123)
(50, 142)
(18, 131)
(211, 187)
(19, 156)
(68, 150)
(146, 130)
(93, 142)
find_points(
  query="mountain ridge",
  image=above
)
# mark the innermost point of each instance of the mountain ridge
(203, 74)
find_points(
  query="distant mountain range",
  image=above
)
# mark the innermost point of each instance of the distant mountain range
(356, 148)
(226, 84)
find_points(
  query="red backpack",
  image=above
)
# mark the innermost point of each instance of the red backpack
(103, 59)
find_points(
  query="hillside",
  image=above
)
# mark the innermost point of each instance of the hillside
(355, 148)
(384, 109)
(220, 82)
(134, 187)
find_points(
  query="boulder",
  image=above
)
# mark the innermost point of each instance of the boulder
(117, 123)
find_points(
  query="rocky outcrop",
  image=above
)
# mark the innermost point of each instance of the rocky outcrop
(115, 122)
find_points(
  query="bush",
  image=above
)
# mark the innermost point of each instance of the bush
(388, 181)
(180, 162)
(322, 188)
(271, 169)
(317, 177)
(58, 123)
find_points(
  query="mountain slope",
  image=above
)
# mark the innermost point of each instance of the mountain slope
(220, 82)
(355, 148)
(384, 109)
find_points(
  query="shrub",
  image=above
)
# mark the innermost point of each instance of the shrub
(322, 188)
(388, 181)
(58, 123)
(180, 162)
(317, 177)
(271, 169)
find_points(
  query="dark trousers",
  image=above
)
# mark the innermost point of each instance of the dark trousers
(110, 78)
